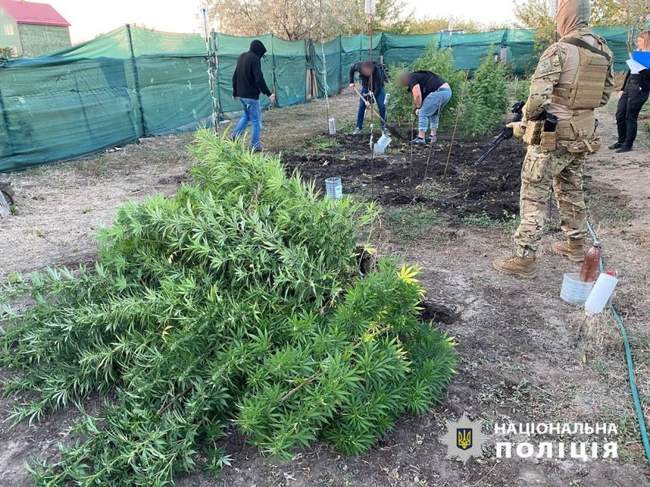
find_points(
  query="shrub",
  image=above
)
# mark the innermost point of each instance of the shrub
(486, 99)
(481, 101)
(238, 301)
(439, 61)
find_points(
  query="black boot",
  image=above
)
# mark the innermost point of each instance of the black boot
(624, 148)
(615, 146)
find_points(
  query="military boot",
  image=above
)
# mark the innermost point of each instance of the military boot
(523, 267)
(574, 250)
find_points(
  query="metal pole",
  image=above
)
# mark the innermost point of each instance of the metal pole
(212, 66)
(324, 71)
(274, 77)
(136, 80)
(5, 120)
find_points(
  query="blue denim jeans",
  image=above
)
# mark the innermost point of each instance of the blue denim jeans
(253, 115)
(432, 107)
(381, 97)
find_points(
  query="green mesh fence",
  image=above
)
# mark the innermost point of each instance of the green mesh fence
(135, 82)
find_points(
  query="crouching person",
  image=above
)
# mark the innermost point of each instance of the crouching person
(373, 78)
(247, 84)
(430, 96)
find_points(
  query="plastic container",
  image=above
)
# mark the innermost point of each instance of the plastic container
(382, 144)
(334, 188)
(575, 291)
(331, 123)
(5, 208)
(601, 293)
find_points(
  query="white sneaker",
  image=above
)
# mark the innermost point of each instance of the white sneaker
(357, 131)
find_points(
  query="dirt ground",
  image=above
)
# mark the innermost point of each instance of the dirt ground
(525, 356)
(443, 177)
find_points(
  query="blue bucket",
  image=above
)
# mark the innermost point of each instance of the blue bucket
(642, 57)
(334, 188)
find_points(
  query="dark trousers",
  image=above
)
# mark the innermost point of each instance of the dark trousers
(627, 112)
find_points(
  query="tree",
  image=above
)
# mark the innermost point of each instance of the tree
(302, 19)
(536, 14)
(437, 24)
(635, 14)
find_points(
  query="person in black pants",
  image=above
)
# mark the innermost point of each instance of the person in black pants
(373, 78)
(636, 90)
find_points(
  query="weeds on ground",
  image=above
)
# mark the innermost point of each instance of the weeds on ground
(411, 222)
(608, 209)
(509, 222)
(239, 301)
(322, 143)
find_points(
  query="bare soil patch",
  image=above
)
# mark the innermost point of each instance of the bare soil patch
(443, 176)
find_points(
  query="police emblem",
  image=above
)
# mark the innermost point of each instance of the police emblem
(464, 438)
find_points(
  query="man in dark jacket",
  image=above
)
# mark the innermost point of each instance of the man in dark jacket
(247, 84)
(373, 76)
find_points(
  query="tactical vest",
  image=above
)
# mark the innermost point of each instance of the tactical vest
(585, 90)
(581, 91)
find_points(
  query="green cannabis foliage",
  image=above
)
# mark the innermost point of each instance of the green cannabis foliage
(439, 61)
(478, 104)
(238, 301)
(486, 99)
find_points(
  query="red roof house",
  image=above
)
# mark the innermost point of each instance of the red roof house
(32, 29)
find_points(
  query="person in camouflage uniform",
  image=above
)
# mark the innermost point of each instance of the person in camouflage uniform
(574, 76)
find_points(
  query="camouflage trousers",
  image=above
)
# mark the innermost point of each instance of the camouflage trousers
(542, 171)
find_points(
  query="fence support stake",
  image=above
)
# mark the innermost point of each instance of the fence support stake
(136, 79)
(5, 120)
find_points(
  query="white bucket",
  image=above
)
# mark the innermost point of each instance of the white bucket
(575, 291)
(332, 126)
(382, 144)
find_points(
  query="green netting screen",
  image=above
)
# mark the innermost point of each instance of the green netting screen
(338, 55)
(521, 52)
(284, 67)
(326, 58)
(135, 82)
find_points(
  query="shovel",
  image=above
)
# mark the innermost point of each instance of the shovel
(390, 127)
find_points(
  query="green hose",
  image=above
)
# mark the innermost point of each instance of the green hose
(638, 407)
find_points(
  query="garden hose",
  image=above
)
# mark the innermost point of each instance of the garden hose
(638, 407)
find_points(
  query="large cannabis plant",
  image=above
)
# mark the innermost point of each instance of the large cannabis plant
(238, 301)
